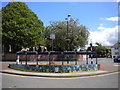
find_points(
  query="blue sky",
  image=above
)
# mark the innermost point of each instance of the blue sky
(98, 17)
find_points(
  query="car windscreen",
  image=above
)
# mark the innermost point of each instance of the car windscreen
(118, 57)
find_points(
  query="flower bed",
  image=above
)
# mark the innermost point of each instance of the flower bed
(56, 68)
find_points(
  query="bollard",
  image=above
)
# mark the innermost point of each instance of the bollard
(17, 61)
(91, 61)
(37, 58)
(49, 57)
(98, 66)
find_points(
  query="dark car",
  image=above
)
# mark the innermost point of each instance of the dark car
(117, 59)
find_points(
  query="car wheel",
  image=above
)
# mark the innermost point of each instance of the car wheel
(114, 60)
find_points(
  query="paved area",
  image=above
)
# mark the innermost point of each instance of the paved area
(104, 68)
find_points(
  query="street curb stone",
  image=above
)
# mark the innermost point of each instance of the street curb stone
(104, 69)
(81, 74)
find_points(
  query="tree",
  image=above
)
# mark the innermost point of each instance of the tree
(21, 26)
(102, 50)
(77, 35)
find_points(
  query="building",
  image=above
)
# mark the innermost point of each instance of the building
(115, 50)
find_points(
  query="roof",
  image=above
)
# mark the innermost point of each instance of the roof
(108, 47)
(116, 45)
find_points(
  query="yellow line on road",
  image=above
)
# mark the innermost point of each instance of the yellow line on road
(61, 78)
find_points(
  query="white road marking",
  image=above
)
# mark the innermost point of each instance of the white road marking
(62, 78)
(116, 65)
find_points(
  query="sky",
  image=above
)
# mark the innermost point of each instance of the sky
(100, 18)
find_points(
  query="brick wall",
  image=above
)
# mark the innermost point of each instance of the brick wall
(13, 56)
(9, 56)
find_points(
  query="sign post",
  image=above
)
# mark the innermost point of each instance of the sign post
(52, 36)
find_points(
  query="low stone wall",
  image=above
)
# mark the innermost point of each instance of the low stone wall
(13, 56)
(57, 68)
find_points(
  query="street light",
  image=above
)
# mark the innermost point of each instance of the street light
(69, 15)
(67, 40)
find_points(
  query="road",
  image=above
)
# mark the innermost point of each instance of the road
(101, 81)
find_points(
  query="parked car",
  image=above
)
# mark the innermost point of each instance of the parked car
(117, 59)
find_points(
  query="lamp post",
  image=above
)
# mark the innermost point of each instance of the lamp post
(87, 58)
(67, 40)
(91, 55)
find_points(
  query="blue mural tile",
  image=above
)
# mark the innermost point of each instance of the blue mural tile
(58, 68)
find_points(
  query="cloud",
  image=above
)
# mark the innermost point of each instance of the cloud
(111, 18)
(101, 24)
(105, 36)
(101, 28)
(117, 0)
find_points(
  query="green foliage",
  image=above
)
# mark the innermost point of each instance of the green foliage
(77, 35)
(102, 49)
(21, 27)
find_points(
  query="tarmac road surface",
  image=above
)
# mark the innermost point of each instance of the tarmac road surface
(99, 81)
(109, 80)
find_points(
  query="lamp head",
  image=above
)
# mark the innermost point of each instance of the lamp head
(69, 15)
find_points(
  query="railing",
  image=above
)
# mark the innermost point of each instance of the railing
(55, 56)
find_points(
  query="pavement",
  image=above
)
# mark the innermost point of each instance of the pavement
(104, 69)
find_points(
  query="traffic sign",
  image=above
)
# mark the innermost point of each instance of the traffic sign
(52, 36)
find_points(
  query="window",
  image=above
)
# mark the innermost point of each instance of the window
(116, 48)
(116, 53)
